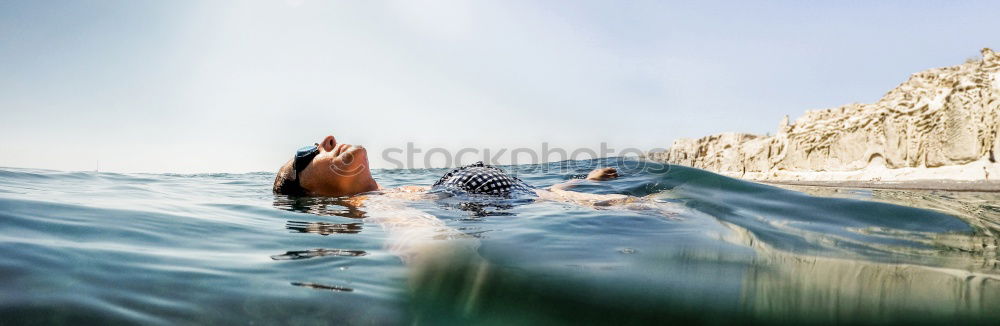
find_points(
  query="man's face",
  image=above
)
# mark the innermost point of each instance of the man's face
(338, 170)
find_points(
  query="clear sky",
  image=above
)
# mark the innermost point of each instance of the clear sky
(237, 86)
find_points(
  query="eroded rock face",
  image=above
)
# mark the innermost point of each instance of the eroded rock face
(944, 117)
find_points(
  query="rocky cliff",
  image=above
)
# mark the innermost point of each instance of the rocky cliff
(941, 124)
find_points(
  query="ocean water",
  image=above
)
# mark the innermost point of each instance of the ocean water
(102, 248)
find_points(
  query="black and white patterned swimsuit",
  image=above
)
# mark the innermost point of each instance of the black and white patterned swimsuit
(482, 179)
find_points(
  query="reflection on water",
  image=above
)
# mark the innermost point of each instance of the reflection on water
(478, 210)
(324, 228)
(324, 206)
(771, 286)
(980, 209)
(980, 248)
(313, 253)
(783, 286)
(333, 288)
(479, 206)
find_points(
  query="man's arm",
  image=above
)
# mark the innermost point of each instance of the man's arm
(561, 192)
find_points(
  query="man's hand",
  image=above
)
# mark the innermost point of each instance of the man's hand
(602, 174)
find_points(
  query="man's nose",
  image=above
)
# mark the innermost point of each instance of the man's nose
(329, 143)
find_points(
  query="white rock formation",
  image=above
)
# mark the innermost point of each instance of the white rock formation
(942, 124)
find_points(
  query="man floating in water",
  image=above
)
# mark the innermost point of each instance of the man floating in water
(334, 169)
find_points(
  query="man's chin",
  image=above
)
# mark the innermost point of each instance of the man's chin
(356, 150)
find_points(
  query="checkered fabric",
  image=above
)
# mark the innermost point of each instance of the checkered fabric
(479, 178)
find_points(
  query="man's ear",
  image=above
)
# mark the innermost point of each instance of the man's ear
(329, 143)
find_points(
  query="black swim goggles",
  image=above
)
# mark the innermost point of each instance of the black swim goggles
(303, 157)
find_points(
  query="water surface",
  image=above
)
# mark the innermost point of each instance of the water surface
(220, 248)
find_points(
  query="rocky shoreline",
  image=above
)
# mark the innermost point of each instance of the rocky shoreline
(938, 130)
